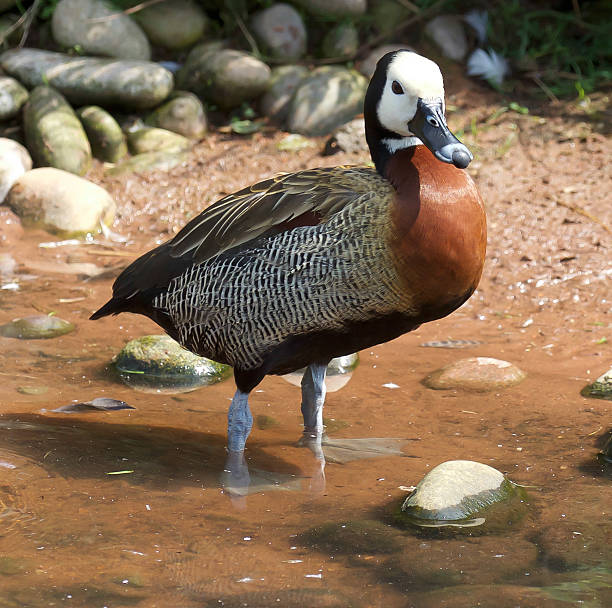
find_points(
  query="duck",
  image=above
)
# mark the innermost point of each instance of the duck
(303, 267)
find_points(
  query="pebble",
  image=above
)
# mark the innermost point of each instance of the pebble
(448, 32)
(457, 490)
(130, 84)
(173, 24)
(158, 364)
(280, 31)
(154, 139)
(14, 162)
(476, 374)
(99, 29)
(12, 96)
(104, 133)
(36, 327)
(54, 134)
(61, 202)
(283, 82)
(183, 113)
(325, 99)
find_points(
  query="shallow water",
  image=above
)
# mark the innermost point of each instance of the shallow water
(133, 507)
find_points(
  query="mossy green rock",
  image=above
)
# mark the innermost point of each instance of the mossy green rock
(183, 113)
(157, 363)
(149, 161)
(54, 134)
(104, 133)
(601, 388)
(12, 96)
(283, 82)
(36, 327)
(341, 41)
(457, 491)
(326, 99)
(153, 139)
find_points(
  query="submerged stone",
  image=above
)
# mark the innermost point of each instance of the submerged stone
(601, 388)
(287, 598)
(606, 451)
(36, 327)
(477, 374)
(339, 372)
(158, 364)
(457, 493)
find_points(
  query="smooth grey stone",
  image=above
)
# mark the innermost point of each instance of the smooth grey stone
(91, 80)
(153, 139)
(61, 202)
(54, 134)
(457, 490)
(149, 161)
(601, 388)
(183, 113)
(99, 29)
(341, 41)
(14, 162)
(387, 15)
(283, 82)
(326, 99)
(225, 77)
(334, 8)
(348, 138)
(104, 133)
(368, 65)
(12, 96)
(477, 374)
(157, 363)
(448, 32)
(280, 32)
(173, 24)
(36, 327)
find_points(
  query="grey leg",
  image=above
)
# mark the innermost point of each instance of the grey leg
(313, 397)
(239, 422)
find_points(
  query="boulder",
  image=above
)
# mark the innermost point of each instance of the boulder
(12, 96)
(334, 8)
(14, 162)
(104, 133)
(326, 99)
(153, 139)
(173, 24)
(54, 134)
(89, 80)
(477, 374)
(283, 82)
(280, 32)
(61, 202)
(225, 77)
(448, 33)
(183, 113)
(99, 29)
(341, 41)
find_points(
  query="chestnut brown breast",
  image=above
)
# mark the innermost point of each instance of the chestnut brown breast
(439, 233)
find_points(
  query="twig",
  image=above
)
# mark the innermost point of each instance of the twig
(585, 213)
(544, 88)
(410, 6)
(9, 30)
(127, 11)
(245, 31)
(28, 23)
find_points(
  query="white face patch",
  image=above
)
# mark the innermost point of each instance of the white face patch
(418, 77)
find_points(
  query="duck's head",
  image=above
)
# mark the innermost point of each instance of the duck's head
(404, 106)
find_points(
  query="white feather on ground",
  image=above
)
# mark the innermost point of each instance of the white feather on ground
(488, 65)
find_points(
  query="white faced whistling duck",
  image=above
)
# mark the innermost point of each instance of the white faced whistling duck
(304, 267)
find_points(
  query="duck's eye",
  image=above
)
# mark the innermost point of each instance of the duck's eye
(432, 121)
(396, 87)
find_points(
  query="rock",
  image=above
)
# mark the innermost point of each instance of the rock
(152, 139)
(12, 96)
(368, 65)
(104, 134)
(173, 24)
(341, 41)
(352, 537)
(263, 422)
(606, 450)
(294, 143)
(386, 15)
(99, 29)
(334, 8)
(348, 138)
(457, 490)
(61, 202)
(287, 598)
(10, 227)
(283, 82)
(476, 374)
(89, 80)
(448, 33)
(183, 113)
(54, 134)
(339, 372)
(223, 76)
(601, 388)
(326, 99)
(149, 161)
(36, 327)
(280, 32)
(14, 162)
(159, 364)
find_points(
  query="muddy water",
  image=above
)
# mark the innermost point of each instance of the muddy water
(133, 508)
